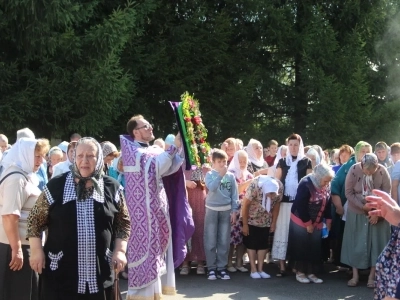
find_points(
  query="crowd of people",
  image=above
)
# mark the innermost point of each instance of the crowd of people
(79, 213)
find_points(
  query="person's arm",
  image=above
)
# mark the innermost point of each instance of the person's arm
(15, 195)
(213, 181)
(337, 202)
(328, 214)
(243, 186)
(37, 223)
(395, 186)
(278, 172)
(245, 216)
(386, 182)
(234, 193)
(168, 161)
(275, 214)
(301, 201)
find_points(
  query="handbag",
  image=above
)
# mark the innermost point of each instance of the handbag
(116, 291)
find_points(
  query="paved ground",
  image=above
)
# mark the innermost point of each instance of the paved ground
(242, 287)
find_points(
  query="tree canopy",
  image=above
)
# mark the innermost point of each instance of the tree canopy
(328, 70)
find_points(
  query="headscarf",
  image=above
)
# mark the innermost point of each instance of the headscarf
(234, 166)
(357, 149)
(368, 161)
(108, 148)
(314, 153)
(258, 161)
(387, 161)
(96, 175)
(63, 146)
(320, 171)
(320, 153)
(170, 139)
(268, 185)
(292, 180)
(22, 156)
(271, 170)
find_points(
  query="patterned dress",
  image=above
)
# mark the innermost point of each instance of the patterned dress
(236, 229)
(387, 276)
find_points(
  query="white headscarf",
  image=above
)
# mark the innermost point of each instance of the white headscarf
(292, 179)
(258, 161)
(234, 166)
(268, 185)
(271, 170)
(22, 155)
(314, 153)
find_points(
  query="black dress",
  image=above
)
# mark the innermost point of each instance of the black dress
(80, 239)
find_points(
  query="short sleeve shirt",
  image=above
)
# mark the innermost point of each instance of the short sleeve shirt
(17, 197)
(258, 216)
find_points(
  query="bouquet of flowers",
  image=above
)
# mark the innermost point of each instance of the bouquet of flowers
(194, 131)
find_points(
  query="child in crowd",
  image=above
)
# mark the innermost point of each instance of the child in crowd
(273, 149)
(221, 206)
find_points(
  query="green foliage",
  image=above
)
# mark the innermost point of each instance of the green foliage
(326, 69)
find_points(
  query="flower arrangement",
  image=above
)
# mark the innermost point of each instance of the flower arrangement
(195, 133)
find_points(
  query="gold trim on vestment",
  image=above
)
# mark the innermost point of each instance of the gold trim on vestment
(156, 296)
(169, 290)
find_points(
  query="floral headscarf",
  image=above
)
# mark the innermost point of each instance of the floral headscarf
(96, 175)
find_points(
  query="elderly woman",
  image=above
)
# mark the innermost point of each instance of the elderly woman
(364, 236)
(55, 156)
(383, 154)
(311, 205)
(87, 221)
(313, 155)
(339, 197)
(110, 152)
(257, 165)
(259, 214)
(18, 194)
(238, 167)
(64, 166)
(290, 171)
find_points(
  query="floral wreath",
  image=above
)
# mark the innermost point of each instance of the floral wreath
(195, 133)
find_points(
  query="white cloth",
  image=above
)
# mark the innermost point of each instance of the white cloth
(61, 168)
(281, 236)
(234, 166)
(272, 170)
(267, 185)
(292, 180)
(22, 155)
(258, 161)
(63, 146)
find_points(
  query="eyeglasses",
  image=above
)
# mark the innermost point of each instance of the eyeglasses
(147, 127)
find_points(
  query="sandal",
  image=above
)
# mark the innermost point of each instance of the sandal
(371, 284)
(300, 277)
(184, 271)
(352, 283)
(281, 273)
(200, 270)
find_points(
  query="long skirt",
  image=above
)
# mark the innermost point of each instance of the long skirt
(17, 285)
(197, 198)
(281, 236)
(387, 269)
(363, 242)
(49, 292)
(304, 246)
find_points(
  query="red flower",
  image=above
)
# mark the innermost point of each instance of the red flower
(196, 120)
(187, 119)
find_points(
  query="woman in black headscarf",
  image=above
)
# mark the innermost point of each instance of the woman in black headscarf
(88, 226)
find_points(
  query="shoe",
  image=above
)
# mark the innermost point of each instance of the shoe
(314, 278)
(200, 270)
(371, 284)
(352, 282)
(184, 271)
(281, 273)
(242, 269)
(223, 275)
(231, 269)
(302, 278)
(255, 275)
(211, 275)
(264, 275)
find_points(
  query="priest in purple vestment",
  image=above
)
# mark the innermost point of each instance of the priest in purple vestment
(154, 191)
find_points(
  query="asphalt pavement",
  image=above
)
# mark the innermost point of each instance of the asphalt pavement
(242, 287)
